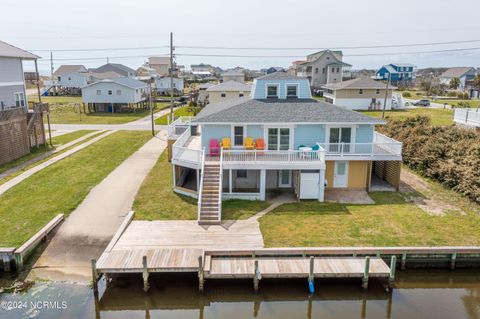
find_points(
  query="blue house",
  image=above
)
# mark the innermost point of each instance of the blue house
(399, 72)
(279, 139)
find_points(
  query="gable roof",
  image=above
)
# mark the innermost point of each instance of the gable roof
(403, 64)
(280, 111)
(456, 72)
(105, 75)
(69, 68)
(206, 85)
(233, 73)
(280, 75)
(124, 81)
(10, 51)
(230, 86)
(118, 66)
(358, 83)
(159, 60)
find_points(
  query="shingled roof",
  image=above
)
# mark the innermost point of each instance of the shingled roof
(230, 86)
(456, 72)
(359, 83)
(280, 111)
(10, 51)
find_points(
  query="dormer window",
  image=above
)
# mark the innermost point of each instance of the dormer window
(292, 91)
(272, 91)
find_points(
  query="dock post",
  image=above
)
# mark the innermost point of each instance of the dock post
(311, 283)
(94, 277)
(257, 276)
(201, 278)
(145, 274)
(6, 263)
(391, 277)
(404, 261)
(453, 259)
(366, 272)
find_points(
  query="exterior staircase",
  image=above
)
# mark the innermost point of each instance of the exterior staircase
(209, 202)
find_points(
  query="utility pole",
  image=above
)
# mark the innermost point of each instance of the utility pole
(171, 77)
(386, 96)
(51, 71)
(151, 106)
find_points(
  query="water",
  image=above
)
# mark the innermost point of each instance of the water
(418, 294)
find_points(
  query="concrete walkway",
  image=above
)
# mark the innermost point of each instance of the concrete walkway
(20, 178)
(89, 228)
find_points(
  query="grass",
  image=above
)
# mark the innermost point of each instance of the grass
(182, 111)
(65, 110)
(21, 216)
(35, 152)
(392, 221)
(156, 199)
(472, 103)
(439, 117)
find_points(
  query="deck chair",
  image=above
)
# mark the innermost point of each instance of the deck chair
(226, 143)
(214, 147)
(248, 143)
(260, 144)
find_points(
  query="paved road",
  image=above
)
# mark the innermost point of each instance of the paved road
(432, 104)
(89, 228)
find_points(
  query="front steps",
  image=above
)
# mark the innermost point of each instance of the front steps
(210, 207)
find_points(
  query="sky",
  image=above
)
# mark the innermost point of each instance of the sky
(301, 26)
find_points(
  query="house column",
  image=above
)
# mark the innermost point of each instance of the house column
(198, 180)
(321, 186)
(230, 182)
(174, 177)
(263, 178)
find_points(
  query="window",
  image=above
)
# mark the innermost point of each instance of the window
(238, 135)
(272, 91)
(316, 70)
(323, 70)
(241, 94)
(99, 92)
(69, 78)
(119, 92)
(59, 78)
(378, 91)
(241, 173)
(333, 70)
(223, 94)
(360, 91)
(338, 70)
(19, 99)
(292, 90)
(278, 139)
(109, 92)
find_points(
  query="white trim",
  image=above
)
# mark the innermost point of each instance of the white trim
(272, 84)
(353, 136)
(291, 123)
(232, 134)
(12, 83)
(335, 174)
(280, 185)
(291, 140)
(297, 85)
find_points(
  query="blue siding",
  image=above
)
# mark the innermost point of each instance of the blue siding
(255, 131)
(364, 134)
(214, 131)
(259, 92)
(309, 135)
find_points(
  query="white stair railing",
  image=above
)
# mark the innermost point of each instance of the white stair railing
(199, 202)
(220, 180)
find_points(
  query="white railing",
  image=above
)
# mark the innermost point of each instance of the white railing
(220, 187)
(199, 202)
(469, 117)
(185, 154)
(287, 156)
(182, 123)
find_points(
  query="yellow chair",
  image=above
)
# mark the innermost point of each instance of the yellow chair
(248, 143)
(226, 143)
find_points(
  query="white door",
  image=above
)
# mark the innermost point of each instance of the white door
(284, 178)
(340, 174)
(309, 185)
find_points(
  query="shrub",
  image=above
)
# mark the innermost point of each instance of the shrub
(452, 94)
(449, 154)
(463, 104)
(406, 94)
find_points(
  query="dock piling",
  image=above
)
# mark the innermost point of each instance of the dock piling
(393, 265)
(404, 261)
(145, 274)
(201, 277)
(366, 272)
(94, 277)
(453, 259)
(311, 283)
(257, 276)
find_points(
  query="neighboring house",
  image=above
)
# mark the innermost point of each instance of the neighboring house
(230, 90)
(202, 91)
(121, 69)
(202, 70)
(233, 75)
(115, 95)
(398, 72)
(274, 69)
(163, 85)
(359, 94)
(12, 82)
(323, 67)
(160, 64)
(68, 69)
(73, 80)
(312, 148)
(145, 73)
(464, 74)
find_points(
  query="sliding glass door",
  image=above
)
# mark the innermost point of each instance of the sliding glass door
(340, 135)
(278, 139)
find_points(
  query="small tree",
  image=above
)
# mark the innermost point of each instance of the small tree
(454, 83)
(476, 83)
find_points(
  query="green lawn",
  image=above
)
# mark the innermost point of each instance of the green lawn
(56, 141)
(392, 221)
(61, 187)
(157, 200)
(472, 103)
(440, 117)
(182, 111)
(65, 110)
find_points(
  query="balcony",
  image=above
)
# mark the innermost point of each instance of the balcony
(468, 117)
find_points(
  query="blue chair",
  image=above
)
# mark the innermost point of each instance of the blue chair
(300, 146)
(315, 147)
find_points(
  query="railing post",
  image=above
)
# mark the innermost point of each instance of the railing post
(366, 273)
(393, 265)
(311, 283)
(145, 274)
(453, 259)
(256, 276)
(404, 261)
(201, 275)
